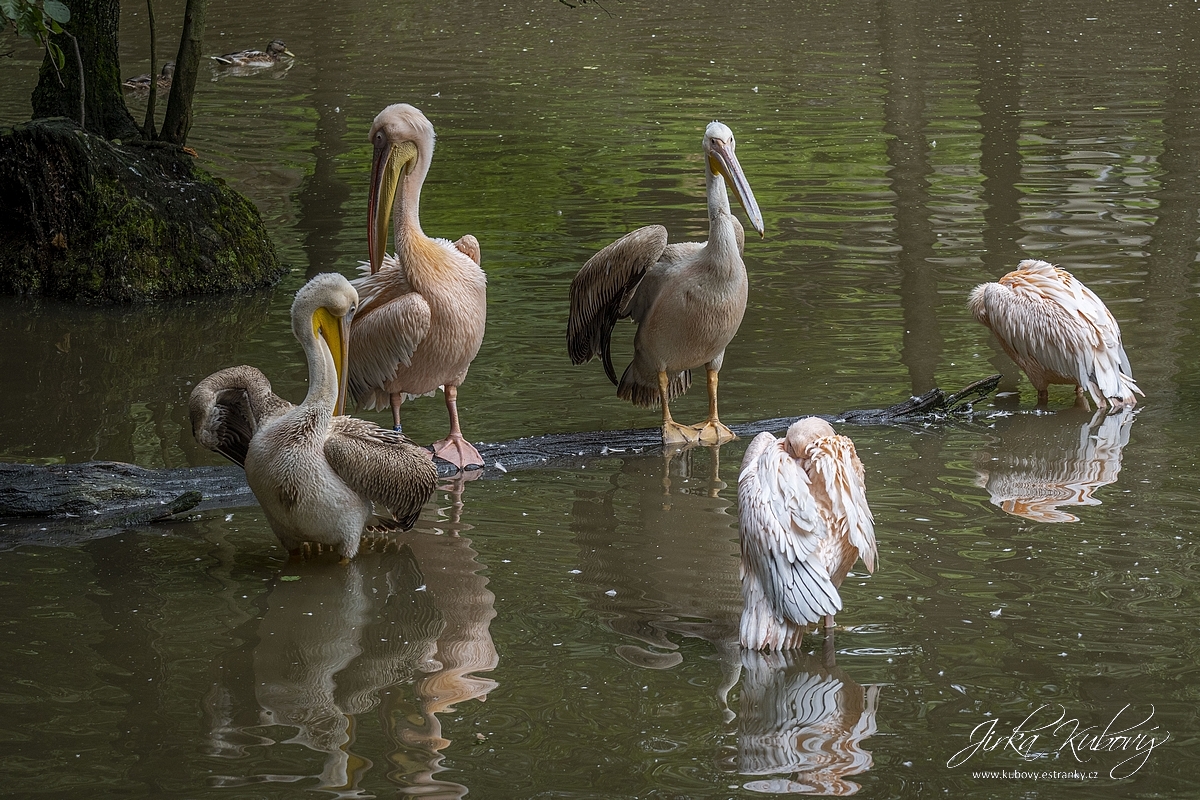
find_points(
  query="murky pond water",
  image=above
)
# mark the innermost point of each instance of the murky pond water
(572, 632)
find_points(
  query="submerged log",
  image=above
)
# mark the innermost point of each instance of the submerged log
(89, 499)
(83, 218)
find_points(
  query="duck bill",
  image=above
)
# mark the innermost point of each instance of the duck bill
(723, 162)
(388, 166)
(335, 331)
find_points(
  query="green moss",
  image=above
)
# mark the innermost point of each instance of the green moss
(83, 218)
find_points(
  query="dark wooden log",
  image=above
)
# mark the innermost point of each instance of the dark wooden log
(64, 503)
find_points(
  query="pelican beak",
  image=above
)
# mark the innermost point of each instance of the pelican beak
(722, 161)
(335, 330)
(390, 164)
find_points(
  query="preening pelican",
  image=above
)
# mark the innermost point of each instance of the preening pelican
(687, 299)
(1058, 331)
(275, 51)
(423, 310)
(802, 505)
(314, 472)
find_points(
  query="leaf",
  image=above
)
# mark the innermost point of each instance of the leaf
(57, 11)
(56, 53)
(9, 8)
(289, 577)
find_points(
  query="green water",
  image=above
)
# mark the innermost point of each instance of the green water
(572, 632)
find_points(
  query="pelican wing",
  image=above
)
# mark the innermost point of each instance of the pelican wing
(835, 462)
(391, 322)
(675, 259)
(468, 245)
(781, 528)
(229, 406)
(382, 465)
(602, 288)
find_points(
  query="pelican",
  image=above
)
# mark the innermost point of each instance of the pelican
(804, 520)
(275, 51)
(314, 472)
(687, 299)
(1058, 331)
(423, 310)
(141, 83)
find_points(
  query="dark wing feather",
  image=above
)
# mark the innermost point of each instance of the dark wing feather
(603, 287)
(382, 465)
(229, 406)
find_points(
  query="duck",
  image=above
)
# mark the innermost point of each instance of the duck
(316, 473)
(141, 83)
(275, 52)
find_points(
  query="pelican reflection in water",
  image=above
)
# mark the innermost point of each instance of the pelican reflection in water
(687, 299)
(1040, 463)
(802, 722)
(349, 659)
(425, 308)
(315, 472)
(1058, 331)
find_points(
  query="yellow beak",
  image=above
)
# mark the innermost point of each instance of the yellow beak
(387, 168)
(723, 162)
(335, 331)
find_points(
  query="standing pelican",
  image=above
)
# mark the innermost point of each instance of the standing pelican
(423, 310)
(1058, 331)
(688, 299)
(804, 519)
(314, 472)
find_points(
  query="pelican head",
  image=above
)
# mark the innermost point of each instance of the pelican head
(403, 142)
(322, 311)
(802, 433)
(720, 160)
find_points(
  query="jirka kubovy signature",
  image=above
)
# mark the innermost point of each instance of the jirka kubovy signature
(1070, 735)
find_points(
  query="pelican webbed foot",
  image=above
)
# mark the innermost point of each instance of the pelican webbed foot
(713, 431)
(674, 433)
(458, 451)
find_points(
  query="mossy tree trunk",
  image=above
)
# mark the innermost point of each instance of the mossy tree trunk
(95, 25)
(104, 213)
(178, 119)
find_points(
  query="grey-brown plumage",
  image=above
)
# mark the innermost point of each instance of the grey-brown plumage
(315, 473)
(227, 407)
(687, 299)
(275, 51)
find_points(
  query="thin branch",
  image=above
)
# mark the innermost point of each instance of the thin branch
(148, 126)
(82, 86)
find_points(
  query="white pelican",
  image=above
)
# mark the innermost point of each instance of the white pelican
(804, 520)
(1058, 331)
(688, 299)
(423, 311)
(314, 472)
